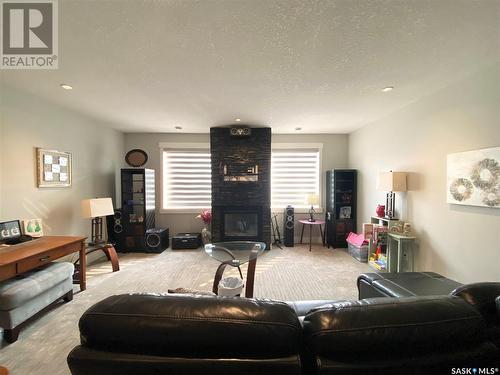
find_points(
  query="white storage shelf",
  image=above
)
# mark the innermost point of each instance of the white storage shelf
(399, 250)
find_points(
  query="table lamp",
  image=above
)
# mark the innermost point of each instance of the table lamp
(97, 208)
(391, 182)
(313, 200)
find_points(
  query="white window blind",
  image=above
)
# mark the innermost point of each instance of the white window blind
(186, 179)
(294, 175)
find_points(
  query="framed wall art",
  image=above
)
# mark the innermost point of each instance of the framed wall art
(53, 168)
(473, 178)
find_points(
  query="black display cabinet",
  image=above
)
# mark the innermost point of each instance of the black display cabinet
(341, 203)
(138, 208)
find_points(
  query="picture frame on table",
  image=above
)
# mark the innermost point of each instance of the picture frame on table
(33, 227)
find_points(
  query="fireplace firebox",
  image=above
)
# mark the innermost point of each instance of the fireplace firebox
(241, 223)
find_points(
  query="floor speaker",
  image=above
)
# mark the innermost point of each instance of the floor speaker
(114, 226)
(156, 240)
(288, 225)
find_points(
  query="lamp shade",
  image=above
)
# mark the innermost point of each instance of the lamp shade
(391, 181)
(97, 207)
(312, 199)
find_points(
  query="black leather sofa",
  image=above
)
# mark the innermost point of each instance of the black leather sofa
(181, 334)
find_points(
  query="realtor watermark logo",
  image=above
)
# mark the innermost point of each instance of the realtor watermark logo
(29, 34)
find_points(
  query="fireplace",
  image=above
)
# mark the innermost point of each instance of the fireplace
(241, 223)
(241, 184)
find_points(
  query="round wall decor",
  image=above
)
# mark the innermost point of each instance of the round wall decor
(136, 157)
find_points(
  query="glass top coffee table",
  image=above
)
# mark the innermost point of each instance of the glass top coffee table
(236, 253)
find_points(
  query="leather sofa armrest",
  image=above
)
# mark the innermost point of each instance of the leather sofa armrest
(482, 296)
(497, 300)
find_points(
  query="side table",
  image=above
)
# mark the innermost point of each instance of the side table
(311, 224)
(403, 248)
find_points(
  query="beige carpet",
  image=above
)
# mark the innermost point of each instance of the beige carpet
(288, 274)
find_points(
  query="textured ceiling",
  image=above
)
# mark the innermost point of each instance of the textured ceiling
(148, 66)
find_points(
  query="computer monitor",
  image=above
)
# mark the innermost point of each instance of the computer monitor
(10, 230)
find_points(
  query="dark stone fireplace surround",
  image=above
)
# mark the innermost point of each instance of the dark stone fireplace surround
(241, 196)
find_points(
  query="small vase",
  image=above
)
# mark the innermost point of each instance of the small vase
(206, 236)
(380, 210)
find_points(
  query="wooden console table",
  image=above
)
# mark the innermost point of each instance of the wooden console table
(27, 256)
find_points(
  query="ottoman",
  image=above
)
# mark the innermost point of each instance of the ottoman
(29, 293)
(404, 284)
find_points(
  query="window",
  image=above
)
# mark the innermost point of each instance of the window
(295, 173)
(186, 179)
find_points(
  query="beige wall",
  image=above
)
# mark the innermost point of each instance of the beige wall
(28, 122)
(334, 156)
(462, 242)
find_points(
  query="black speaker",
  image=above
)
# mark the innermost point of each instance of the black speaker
(288, 225)
(156, 240)
(114, 226)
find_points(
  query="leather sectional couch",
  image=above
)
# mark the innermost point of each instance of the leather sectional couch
(183, 334)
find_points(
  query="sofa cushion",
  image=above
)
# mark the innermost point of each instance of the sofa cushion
(409, 284)
(404, 325)
(192, 326)
(22, 288)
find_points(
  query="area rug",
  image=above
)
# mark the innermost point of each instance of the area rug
(288, 274)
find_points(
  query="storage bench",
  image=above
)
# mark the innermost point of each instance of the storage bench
(29, 293)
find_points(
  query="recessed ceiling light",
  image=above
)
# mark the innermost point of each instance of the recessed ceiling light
(298, 129)
(66, 87)
(388, 88)
(178, 127)
(237, 119)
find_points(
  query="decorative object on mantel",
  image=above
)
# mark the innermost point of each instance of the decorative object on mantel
(380, 211)
(313, 200)
(473, 178)
(33, 227)
(136, 158)
(206, 218)
(53, 168)
(240, 171)
(96, 209)
(391, 182)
